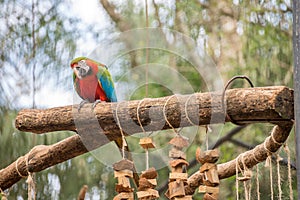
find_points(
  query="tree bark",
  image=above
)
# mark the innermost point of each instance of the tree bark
(247, 105)
(269, 104)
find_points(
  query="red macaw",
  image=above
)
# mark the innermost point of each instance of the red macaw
(92, 81)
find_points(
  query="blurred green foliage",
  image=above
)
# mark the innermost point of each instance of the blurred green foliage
(241, 37)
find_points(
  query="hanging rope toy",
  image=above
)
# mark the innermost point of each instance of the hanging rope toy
(178, 175)
(211, 180)
(147, 181)
(123, 170)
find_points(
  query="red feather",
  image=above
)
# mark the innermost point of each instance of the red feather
(91, 89)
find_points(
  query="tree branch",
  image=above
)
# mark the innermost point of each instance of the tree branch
(41, 157)
(247, 105)
(250, 158)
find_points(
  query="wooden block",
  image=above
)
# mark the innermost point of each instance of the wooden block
(148, 194)
(208, 189)
(176, 189)
(145, 184)
(126, 173)
(178, 165)
(149, 174)
(124, 196)
(167, 194)
(176, 153)
(123, 164)
(122, 180)
(209, 197)
(147, 143)
(215, 195)
(207, 166)
(178, 176)
(179, 142)
(121, 188)
(209, 156)
(153, 182)
(211, 177)
(188, 197)
(178, 162)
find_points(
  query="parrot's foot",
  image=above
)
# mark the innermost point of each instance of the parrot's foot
(95, 103)
(82, 104)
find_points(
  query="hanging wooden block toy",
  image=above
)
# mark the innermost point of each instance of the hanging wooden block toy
(147, 181)
(147, 143)
(211, 180)
(178, 175)
(123, 171)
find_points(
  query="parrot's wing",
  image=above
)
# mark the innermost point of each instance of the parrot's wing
(107, 83)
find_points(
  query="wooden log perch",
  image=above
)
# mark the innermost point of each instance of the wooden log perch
(41, 157)
(246, 105)
(96, 128)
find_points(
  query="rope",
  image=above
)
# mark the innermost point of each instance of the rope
(122, 133)
(246, 173)
(247, 190)
(257, 183)
(279, 143)
(140, 123)
(206, 139)
(16, 166)
(269, 152)
(147, 158)
(269, 164)
(254, 157)
(237, 177)
(165, 116)
(186, 113)
(287, 150)
(3, 194)
(30, 180)
(278, 158)
(147, 50)
(138, 116)
(30, 176)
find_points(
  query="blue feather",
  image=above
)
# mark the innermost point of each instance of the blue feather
(107, 83)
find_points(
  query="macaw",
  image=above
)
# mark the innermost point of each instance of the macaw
(92, 81)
